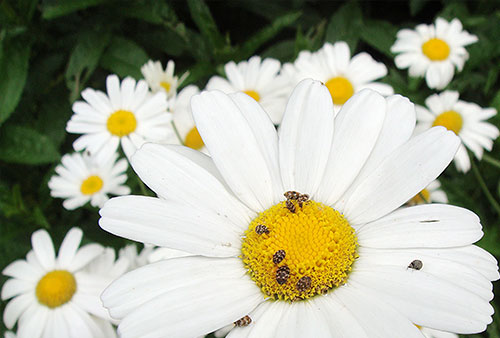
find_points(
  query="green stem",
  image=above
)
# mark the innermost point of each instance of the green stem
(493, 161)
(483, 186)
(177, 133)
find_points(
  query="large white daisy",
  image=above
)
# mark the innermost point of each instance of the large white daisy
(162, 80)
(259, 79)
(339, 262)
(81, 178)
(342, 75)
(128, 114)
(433, 51)
(466, 119)
(54, 296)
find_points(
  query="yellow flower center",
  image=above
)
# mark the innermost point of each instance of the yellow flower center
(295, 252)
(91, 185)
(56, 288)
(193, 139)
(121, 123)
(436, 49)
(253, 94)
(422, 197)
(166, 86)
(451, 120)
(340, 89)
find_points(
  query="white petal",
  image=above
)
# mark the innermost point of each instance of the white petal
(357, 128)
(32, 322)
(113, 89)
(43, 248)
(172, 225)
(402, 174)
(69, 246)
(422, 226)
(16, 307)
(305, 137)
(23, 270)
(266, 319)
(84, 256)
(231, 138)
(15, 287)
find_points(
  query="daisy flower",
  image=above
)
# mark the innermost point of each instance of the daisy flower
(81, 178)
(136, 259)
(342, 75)
(465, 119)
(433, 51)
(430, 333)
(162, 80)
(297, 233)
(260, 80)
(430, 194)
(128, 115)
(54, 296)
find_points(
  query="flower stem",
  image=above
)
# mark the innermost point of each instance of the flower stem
(491, 160)
(483, 186)
(177, 133)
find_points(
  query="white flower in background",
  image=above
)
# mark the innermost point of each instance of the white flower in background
(342, 75)
(258, 257)
(465, 119)
(159, 254)
(9, 335)
(136, 259)
(128, 114)
(259, 79)
(430, 194)
(433, 51)
(186, 131)
(54, 296)
(162, 80)
(430, 333)
(81, 178)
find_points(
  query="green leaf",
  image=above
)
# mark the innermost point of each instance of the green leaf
(24, 145)
(380, 35)
(416, 6)
(55, 9)
(84, 60)
(206, 24)
(124, 57)
(345, 25)
(14, 70)
(266, 34)
(152, 11)
(283, 51)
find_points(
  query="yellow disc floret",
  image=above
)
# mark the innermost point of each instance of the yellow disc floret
(422, 197)
(297, 250)
(436, 49)
(56, 288)
(451, 120)
(193, 139)
(253, 94)
(340, 89)
(166, 86)
(91, 185)
(121, 123)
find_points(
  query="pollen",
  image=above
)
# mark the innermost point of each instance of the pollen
(166, 86)
(193, 139)
(422, 197)
(451, 120)
(436, 49)
(56, 288)
(320, 248)
(253, 94)
(121, 123)
(340, 89)
(91, 185)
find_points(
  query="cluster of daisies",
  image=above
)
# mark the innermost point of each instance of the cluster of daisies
(293, 200)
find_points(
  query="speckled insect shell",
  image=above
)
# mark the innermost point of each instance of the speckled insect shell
(290, 206)
(282, 274)
(244, 321)
(279, 256)
(416, 265)
(261, 229)
(304, 283)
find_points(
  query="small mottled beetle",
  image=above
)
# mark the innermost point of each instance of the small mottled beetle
(416, 265)
(245, 321)
(290, 206)
(292, 195)
(304, 284)
(302, 199)
(282, 274)
(261, 229)
(279, 256)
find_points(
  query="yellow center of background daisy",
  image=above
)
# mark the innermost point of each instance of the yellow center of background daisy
(297, 255)
(121, 123)
(422, 197)
(56, 288)
(436, 49)
(91, 185)
(165, 86)
(253, 94)
(340, 89)
(451, 120)
(193, 139)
